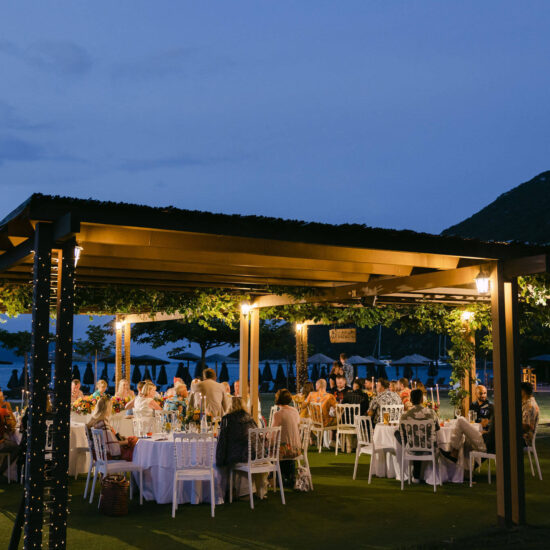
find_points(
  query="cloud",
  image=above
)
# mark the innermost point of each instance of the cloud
(16, 150)
(59, 57)
(176, 161)
(11, 120)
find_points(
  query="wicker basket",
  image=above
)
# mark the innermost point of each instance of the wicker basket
(114, 495)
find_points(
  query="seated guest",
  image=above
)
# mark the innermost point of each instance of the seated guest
(301, 398)
(118, 447)
(7, 431)
(124, 391)
(157, 394)
(404, 392)
(383, 397)
(529, 413)
(232, 447)
(393, 386)
(481, 406)
(217, 400)
(326, 399)
(341, 388)
(144, 404)
(418, 412)
(130, 405)
(170, 392)
(227, 387)
(369, 387)
(288, 418)
(177, 402)
(357, 396)
(76, 392)
(334, 372)
(101, 389)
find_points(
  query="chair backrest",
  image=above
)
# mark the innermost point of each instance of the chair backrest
(193, 451)
(98, 438)
(346, 415)
(273, 410)
(417, 435)
(144, 424)
(264, 444)
(316, 415)
(305, 433)
(49, 436)
(395, 412)
(363, 425)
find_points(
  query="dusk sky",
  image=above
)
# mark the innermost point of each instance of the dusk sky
(393, 114)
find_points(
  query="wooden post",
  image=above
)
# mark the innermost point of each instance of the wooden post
(243, 358)
(470, 377)
(301, 355)
(127, 355)
(39, 381)
(509, 464)
(254, 362)
(62, 404)
(118, 351)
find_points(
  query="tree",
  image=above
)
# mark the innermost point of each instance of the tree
(96, 344)
(216, 334)
(21, 344)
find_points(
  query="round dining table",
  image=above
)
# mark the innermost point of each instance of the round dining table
(387, 456)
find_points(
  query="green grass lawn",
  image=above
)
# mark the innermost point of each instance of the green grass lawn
(340, 512)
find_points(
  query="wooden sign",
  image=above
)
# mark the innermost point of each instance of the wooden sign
(342, 335)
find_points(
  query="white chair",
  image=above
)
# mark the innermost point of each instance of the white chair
(317, 425)
(345, 423)
(531, 449)
(104, 466)
(272, 411)
(418, 443)
(395, 412)
(305, 434)
(263, 457)
(92, 459)
(146, 423)
(193, 461)
(365, 443)
(479, 455)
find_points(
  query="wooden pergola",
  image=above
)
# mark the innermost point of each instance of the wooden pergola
(170, 249)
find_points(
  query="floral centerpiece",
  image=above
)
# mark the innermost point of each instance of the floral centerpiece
(160, 400)
(119, 403)
(434, 405)
(194, 415)
(84, 405)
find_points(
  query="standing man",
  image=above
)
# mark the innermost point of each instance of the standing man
(348, 369)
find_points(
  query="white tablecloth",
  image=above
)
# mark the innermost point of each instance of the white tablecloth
(387, 458)
(157, 460)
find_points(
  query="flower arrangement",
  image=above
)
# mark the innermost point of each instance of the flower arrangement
(194, 415)
(434, 405)
(160, 401)
(84, 405)
(119, 403)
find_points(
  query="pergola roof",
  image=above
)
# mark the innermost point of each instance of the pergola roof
(173, 249)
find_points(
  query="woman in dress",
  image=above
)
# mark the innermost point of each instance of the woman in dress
(301, 398)
(144, 403)
(288, 419)
(118, 447)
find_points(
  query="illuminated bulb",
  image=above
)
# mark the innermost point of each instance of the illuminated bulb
(245, 308)
(482, 282)
(77, 252)
(299, 327)
(119, 324)
(467, 315)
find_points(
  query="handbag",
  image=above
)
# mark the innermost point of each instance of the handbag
(303, 482)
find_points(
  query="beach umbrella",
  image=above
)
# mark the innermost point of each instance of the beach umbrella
(324, 373)
(88, 378)
(315, 372)
(408, 372)
(216, 358)
(22, 378)
(371, 370)
(358, 360)
(267, 375)
(162, 379)
(381, 371)
(13, 382)
(224, 373)
(415, 360)
(280, 378)
(186, 376)
(320, 358)
(76, 372)
(180, 372)
(184, 356)
(136, 375)
(104, 374)
(147, 374)
(432, 370)
(198, 370)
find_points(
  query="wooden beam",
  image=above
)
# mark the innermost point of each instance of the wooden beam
(243, 357)
(381, 287)
(531, 265)
(16, 255)
(66, 227)
(254, 363)
(264, 247)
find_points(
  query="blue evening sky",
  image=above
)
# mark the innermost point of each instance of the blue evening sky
(401, 114)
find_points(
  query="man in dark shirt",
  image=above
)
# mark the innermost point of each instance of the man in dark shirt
(481, 406)
(341, 389)
(357, 396)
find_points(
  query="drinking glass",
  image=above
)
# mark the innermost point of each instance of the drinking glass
(386, 418)
(472, 417)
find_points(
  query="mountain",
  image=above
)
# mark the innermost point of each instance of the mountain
(522, 214)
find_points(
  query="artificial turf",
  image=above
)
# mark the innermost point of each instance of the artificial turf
(339, 513)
